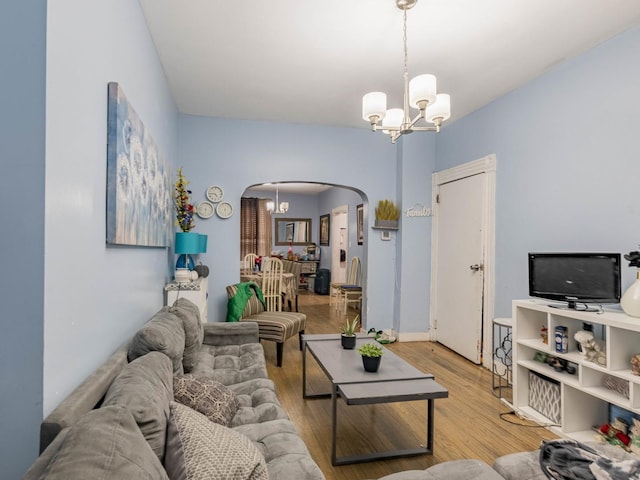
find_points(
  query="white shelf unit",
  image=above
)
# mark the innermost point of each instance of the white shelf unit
(584, 400)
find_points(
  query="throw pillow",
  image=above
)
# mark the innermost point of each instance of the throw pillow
(105, 443)
(217, 402)
(145, 387)
(163, 333)
(200, 449)
(188, 312)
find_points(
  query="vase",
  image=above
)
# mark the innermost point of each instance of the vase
(348, 341)
(630, 301)
(371, 364)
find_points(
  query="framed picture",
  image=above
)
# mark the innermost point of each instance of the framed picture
(139, 192)
(324, 229)
(360, 223)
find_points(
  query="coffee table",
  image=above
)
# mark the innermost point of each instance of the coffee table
(395, 381)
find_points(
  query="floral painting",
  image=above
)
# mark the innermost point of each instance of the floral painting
(139, 194)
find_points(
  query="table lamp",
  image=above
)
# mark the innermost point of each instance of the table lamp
(187, 244)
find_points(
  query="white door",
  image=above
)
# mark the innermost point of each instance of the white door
(460, 265)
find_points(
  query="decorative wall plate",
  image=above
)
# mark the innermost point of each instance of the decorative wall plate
(215, 193)
(224, 210)
(205, 209)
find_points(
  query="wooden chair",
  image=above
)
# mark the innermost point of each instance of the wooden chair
(248, 263)
(353, 276)
(272, 284)
(351, 291)
(273, 326)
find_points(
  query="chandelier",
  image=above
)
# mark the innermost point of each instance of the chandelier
(277, 207)
(419, 93)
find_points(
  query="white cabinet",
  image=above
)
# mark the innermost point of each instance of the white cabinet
(195, 291)
(584, 400)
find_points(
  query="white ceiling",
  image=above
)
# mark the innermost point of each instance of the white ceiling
(311, 61)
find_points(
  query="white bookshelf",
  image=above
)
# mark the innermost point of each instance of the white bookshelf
(584, 400)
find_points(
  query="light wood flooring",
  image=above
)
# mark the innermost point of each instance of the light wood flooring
(467, 424)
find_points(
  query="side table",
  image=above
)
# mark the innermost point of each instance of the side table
(196, 291)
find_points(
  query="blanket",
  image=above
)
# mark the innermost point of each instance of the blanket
(237, 304)
(570, 460)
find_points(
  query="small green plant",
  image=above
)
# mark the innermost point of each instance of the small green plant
(387, 210)
(370, 350)
(349, 327)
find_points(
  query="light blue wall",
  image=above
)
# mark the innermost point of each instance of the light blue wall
(568, 161)
(22, 216)
(236, 154)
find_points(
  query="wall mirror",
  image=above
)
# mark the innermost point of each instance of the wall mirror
(296, 231)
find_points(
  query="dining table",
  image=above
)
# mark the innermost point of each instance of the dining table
(289, 285)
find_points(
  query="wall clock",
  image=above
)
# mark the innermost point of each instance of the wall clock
(224, 210)
(215, 193)
(205, 209)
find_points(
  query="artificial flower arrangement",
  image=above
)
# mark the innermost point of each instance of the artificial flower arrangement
(184, 207)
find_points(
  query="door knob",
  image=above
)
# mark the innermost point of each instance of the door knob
(475, 267)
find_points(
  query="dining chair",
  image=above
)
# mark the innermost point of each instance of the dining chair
(351, 291)
(272, 284)
(352, 279)
(248, 263)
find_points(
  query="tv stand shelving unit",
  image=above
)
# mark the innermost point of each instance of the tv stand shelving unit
(584, 400)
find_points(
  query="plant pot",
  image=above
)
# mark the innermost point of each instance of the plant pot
(386, 223)
(371, 364)
(348, 341)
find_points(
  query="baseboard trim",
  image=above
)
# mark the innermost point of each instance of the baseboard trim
(415, 337)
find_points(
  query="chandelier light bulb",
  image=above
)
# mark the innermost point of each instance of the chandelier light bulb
(439, 111)
(422, 91)
(393, 118)
(374, 106)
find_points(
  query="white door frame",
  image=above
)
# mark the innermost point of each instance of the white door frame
(485, 165)
(335, 246)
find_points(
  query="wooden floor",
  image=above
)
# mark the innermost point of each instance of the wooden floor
(467, 424)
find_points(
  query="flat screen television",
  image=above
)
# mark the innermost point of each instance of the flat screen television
(575, 278)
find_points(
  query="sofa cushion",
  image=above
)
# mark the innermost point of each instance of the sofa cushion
(217, 402)
(105, 443)
(200, 449)
(145, 388)
(163, 333)
(231, 364)
(258, 402)
(189, 313)
(286, 454)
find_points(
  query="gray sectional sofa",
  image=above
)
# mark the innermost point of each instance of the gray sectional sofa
(123, 422)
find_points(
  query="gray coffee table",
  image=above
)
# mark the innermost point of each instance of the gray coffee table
(395, 381)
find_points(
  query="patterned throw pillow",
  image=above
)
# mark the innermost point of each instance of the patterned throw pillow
(207, 396)
(200, 449)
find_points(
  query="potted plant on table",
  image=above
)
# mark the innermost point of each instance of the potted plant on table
(348, 337)
(371, 356)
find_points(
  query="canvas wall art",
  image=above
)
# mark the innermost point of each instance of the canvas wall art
(139, 195)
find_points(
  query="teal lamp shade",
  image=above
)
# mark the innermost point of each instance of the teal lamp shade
(187, 244)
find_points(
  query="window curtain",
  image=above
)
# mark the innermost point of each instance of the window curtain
(255, 227)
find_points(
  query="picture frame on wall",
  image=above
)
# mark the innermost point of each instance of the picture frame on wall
(360, 223)
(325, 227)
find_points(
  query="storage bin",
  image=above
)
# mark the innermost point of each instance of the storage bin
(544, 396)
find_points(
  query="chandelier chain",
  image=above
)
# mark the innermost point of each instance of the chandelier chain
(404, 41)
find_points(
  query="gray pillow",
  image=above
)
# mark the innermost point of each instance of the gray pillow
(107, 444)
(198, 449)
(189, 313)
(145, 388)
(163, 333)
(209, 397)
